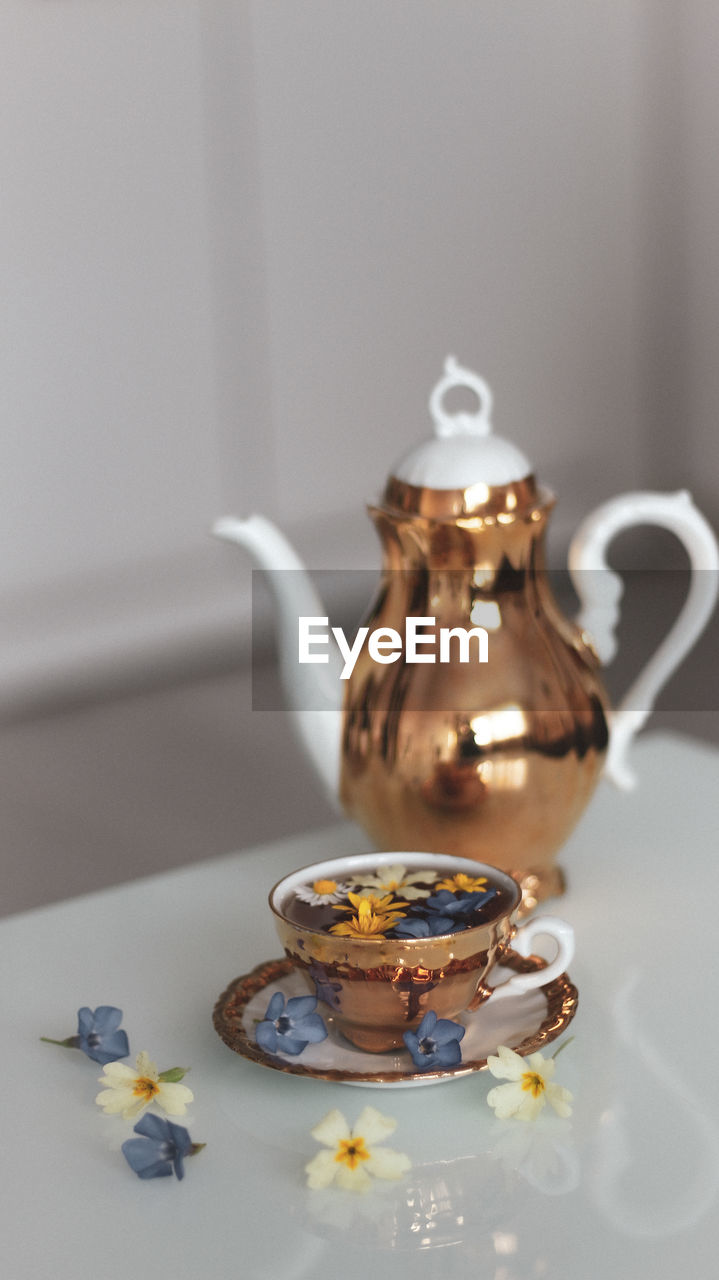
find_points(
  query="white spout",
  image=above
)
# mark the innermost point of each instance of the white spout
(313, 690)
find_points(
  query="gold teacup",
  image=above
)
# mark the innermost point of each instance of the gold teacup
(379, 986)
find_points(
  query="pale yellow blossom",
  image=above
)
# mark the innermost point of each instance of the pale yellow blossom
(130, 1091)
(397, 880)
(530, 1085)
(352, 1157)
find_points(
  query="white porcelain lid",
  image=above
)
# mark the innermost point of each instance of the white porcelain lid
(463, 451)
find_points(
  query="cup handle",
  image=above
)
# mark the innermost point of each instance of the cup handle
(553, 927)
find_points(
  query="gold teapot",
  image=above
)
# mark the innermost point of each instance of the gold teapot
(493, 751)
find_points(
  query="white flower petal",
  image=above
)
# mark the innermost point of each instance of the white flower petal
(531, 1106)
(394, 874)
(506, 1099)
(117, 1071)
(507, 1065)
(322, 1170)
(385, 1163)
(136, 1107)
(544, 1067)
(373, 1126)
(560, 1098)
(145, 1066)
(356, 1179)
(113, 1101)
(173, 1098)
(332, 1130)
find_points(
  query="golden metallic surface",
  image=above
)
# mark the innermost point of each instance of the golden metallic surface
(492, 761)
(384, 984)
(229, 1021)
(481, 501)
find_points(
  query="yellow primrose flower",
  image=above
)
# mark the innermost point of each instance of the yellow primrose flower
(397, 880)
(130, 1092)
(462, 883)
(352, 1159)
(366, 923)
(379, 905)
(530, 1086)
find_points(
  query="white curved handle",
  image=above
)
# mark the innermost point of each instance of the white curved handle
(600, 593)
(563, 935)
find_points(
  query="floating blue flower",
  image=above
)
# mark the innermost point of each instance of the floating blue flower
(98, 1035)
(429, 926)
(161, 1149)
(435, 1043)
(289, 1028)
(457, 906)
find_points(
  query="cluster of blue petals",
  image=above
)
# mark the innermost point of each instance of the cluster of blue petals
(99, 1036)
(444, 912)
(160, 1150)
(289, 1027)
(435, 1043)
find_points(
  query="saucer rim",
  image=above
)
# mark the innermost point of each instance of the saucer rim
(561, 996)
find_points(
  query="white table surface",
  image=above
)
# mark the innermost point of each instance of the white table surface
(627, 1188)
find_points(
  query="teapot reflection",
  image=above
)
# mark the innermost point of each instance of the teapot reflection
(651, 1180)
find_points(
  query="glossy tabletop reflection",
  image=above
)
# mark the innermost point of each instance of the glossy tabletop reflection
(627, 1187)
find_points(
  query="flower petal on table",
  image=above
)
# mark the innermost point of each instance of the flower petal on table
(118, 1071)
(116, 1101)
(506, 1065)
(173, 1098)
(545, 1067)
(85, 1021)
(145, 1066)
(373, 1126)
(142, 1157)
(560, 1098)
(107, 1018)
(506, 1099)
(332, 1130)
(153, 1126)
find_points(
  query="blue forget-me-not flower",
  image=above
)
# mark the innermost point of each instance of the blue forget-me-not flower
(160, 1150)
(98, 1034)
(290, 1027)
(435, 1043)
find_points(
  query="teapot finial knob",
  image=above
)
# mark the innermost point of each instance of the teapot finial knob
(454, 424)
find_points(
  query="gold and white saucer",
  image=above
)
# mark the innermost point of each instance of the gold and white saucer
(524, 1022)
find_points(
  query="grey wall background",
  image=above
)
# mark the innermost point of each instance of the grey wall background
(240, 238)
